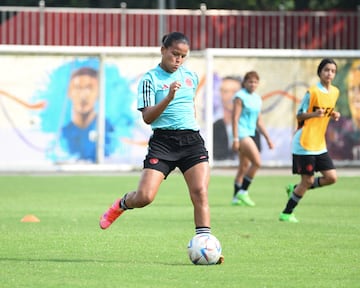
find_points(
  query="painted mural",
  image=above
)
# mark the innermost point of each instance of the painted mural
(49, 107)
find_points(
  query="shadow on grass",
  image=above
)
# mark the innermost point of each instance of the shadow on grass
(87, 261)
(56, 260)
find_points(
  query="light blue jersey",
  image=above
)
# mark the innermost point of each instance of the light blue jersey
(251, 107)
(180, 113)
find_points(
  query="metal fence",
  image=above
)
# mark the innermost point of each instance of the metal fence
(205, 28)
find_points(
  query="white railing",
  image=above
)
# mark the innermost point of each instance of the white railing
(205, 28)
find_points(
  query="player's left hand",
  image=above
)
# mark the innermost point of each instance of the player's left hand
(270, 143)
(335, 115)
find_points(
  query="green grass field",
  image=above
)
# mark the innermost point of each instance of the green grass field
(147, 247)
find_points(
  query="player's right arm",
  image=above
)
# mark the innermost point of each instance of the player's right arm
(303, 113)
(151, 113)
(307, 115)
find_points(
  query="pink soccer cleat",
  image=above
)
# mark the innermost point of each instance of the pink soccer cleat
(111, 215)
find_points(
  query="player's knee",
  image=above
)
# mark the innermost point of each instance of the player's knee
(331, 179)
(256, 165)
(200, 194)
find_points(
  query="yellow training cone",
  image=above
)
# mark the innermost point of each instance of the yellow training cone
(30, 218)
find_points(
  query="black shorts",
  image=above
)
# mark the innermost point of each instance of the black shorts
(309, 164)
(257, 140)
(169, 149)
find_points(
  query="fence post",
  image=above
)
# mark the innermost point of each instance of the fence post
(358, 30)
(282, 27)
(42, 22)
(123, 6)
(100, 142)
(162, 22)
(203, 26)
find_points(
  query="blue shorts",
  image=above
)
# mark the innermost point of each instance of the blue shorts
(309, 164)
(169, 149)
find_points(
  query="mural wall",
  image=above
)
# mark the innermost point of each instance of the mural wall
(283, 83)
(49, 107)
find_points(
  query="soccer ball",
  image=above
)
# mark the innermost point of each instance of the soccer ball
(204, 249)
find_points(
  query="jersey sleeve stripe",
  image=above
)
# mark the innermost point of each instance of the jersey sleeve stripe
(146, 93)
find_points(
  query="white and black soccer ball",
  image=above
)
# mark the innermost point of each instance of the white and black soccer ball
(204, 249)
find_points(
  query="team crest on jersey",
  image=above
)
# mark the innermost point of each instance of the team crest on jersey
(165, 86)
(188, 82)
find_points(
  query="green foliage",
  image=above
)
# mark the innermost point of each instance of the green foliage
(147, 247)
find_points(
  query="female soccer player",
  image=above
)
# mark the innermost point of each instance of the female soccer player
(309, 145)
(246, 118)
(166, 100)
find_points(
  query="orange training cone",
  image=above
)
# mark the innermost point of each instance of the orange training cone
(30, 218)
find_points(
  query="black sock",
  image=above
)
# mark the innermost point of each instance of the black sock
(237, 187)
(246, 183)
(122, 203)
(292, 203)
(316, 183)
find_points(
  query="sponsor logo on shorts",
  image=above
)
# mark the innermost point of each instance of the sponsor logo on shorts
(203, 157)
(153, 161)
(309, 168)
